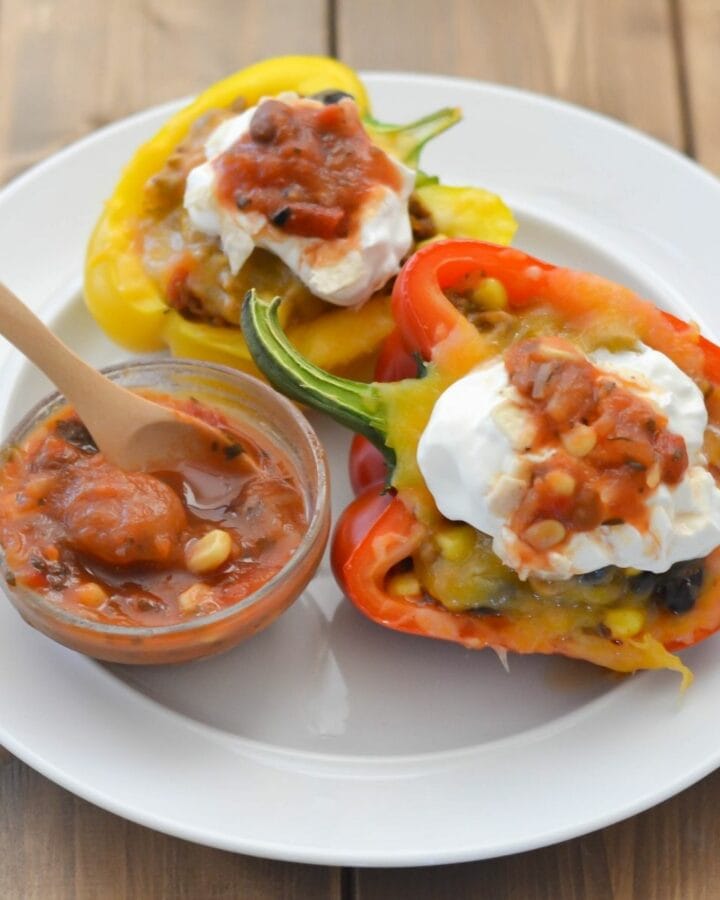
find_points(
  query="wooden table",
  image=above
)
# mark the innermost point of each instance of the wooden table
(69, 66)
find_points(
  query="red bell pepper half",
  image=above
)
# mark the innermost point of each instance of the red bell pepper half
(366, 464)
(382, 528)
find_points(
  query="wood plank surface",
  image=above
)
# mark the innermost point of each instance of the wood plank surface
(54, 846)
(699, 33)
(70, 66)
(667, 853)
(614, 56)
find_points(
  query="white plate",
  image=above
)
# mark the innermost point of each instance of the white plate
(328, 739)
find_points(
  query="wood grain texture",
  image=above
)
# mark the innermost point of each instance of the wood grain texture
(699, 27)
(54, 846)
(668, 853)
(69, 67)
(614, 56)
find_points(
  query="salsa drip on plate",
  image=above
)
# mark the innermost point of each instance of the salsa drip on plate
(146, 549)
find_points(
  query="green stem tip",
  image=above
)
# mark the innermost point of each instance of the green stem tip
(354, 404)
(406, 142)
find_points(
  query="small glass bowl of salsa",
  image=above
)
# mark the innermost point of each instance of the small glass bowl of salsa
(175, 564)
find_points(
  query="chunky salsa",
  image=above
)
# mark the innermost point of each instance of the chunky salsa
(307, 167)
(146, 549)
(605, 449)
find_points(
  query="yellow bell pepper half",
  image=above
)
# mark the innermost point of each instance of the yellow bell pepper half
(129, 305)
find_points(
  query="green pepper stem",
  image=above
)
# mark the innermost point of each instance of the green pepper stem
(407, 141)
(354, 404)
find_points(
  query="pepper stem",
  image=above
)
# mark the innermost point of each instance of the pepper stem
(353, 404)
(406, 142)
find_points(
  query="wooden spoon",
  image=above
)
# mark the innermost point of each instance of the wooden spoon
(131, 431)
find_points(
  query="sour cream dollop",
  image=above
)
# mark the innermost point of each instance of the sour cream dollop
(342, 271)
(473, 456)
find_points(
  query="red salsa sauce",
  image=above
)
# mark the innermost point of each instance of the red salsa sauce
(126, 548)
(307, 167)
(610, 449)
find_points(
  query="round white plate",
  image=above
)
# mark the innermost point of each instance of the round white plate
(328, 739)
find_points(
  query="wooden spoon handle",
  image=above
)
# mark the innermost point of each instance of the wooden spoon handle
(132, 431)
(73, 377)
(111, 413)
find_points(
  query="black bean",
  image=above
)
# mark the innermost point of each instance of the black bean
(74, 432)
(56, 573)
(280, 217)
(678, 589)
(264, 123)
(57, 578)
(677, 597)
(233, 450)
(642, 583)
(599, 576)
(148, 603)
(330, 96)
(636, 465)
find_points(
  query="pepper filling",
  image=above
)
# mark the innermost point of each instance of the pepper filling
(604, 449)
(308, 168)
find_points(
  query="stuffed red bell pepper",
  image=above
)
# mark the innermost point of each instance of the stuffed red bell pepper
(552, 470)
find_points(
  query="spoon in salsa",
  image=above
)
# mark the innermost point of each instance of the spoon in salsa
(131, 431)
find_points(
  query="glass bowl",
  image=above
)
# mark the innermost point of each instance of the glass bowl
(241, 399)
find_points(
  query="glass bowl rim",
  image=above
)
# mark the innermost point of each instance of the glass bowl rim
(316, 523)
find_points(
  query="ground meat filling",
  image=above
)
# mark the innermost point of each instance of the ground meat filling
(610, 449)
(165, 190)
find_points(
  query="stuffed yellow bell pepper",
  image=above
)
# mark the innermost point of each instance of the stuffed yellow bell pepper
(154, 277)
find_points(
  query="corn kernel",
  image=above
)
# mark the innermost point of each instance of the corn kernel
(90, 594)
(624, 623)
(552, 351)
(712, 444)
(191, 598)
(544, 534)
(210, 552)
(490, 294)
(456, 542)
(40, 487)
(652, 479)
(561, 483)
(404, 584)
(580, 440)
